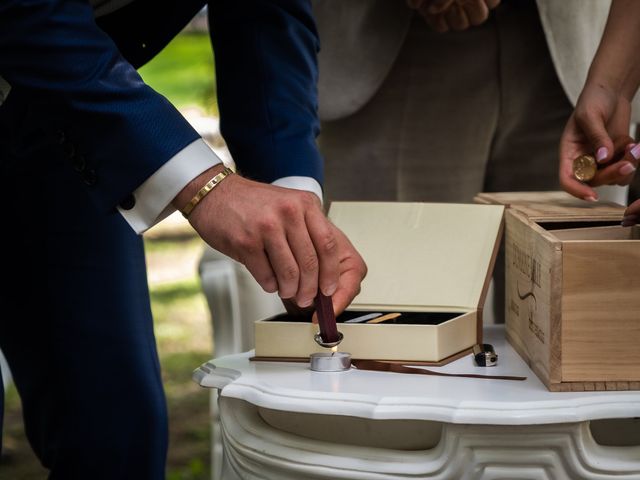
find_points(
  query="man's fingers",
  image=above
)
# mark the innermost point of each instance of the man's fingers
(477, 11)
(323, 236)
(283, 263)
(438, 6)
(308, 264)
(456, 18)
(492, 3)
(352, 272)
(350, 280)
(259, 266)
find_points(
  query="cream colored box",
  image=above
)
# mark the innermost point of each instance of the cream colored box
(431, 262)
(572, 290)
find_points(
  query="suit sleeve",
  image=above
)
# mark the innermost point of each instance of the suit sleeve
(79, 90)
(266, 80)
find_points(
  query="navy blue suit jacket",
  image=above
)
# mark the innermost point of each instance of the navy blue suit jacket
(73, 80)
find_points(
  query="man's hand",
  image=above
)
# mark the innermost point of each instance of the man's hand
(281, 235)
(458, 15)
(600, 126)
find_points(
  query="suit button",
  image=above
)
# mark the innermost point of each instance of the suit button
(79, 163)
(90, 178)
(128, 203)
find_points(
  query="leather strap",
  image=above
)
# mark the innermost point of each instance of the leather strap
(393, 367)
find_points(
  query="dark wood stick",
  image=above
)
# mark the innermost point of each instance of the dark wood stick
(326, 318)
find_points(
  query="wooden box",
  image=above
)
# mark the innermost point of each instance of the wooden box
(430, 262)
(572, 291)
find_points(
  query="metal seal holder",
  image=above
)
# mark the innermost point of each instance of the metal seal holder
(485, 355)
(329, 337)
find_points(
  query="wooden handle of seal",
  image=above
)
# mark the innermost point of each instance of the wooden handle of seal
(326, 318)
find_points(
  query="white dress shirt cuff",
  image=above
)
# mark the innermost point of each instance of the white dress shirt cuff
(300, 183)
(153, 198)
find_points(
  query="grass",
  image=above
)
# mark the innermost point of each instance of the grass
(184, 73)
(183, 335)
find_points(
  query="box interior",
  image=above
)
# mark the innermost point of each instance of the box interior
(568, 231)
(564, 225)
(407, 318)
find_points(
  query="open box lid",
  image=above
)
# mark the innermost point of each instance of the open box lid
(421, 256)
(553, 206)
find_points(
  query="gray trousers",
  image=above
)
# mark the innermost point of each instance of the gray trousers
(459, 113)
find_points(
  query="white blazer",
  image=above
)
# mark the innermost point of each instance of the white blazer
(360, 40)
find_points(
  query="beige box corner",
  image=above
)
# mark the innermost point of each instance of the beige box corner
(430, 262)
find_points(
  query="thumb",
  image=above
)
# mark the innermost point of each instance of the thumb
(594, 128)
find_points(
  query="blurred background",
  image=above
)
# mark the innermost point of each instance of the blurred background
(184, 73)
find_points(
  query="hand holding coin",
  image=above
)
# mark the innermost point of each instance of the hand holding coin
(622, 165)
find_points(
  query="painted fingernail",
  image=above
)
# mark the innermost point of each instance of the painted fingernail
(635, 152)
(626, 169)
(629, 220)
(591, 198)
(601, 154)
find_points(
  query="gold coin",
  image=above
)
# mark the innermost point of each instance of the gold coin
(584, 168)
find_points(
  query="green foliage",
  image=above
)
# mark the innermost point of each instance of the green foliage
(167, 295)
(184, 72)
(195, 471)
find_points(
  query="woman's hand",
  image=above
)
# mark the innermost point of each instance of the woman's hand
(599, 126)
(631, 214)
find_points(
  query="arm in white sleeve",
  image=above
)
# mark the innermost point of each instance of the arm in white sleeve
(309, 184)
(152, 199)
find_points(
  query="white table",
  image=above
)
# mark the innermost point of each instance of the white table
(283, 421)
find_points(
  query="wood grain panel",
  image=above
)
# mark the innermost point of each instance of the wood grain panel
(601, 311)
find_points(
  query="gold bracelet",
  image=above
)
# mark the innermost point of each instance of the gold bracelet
(210, 185)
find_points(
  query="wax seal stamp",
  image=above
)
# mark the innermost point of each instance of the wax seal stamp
(328, 337)
(327, 321)
(584, 168)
